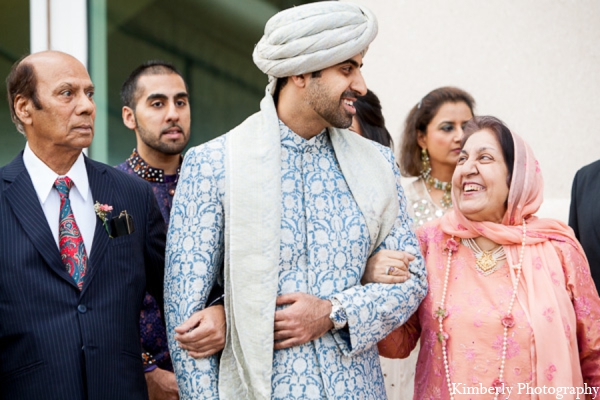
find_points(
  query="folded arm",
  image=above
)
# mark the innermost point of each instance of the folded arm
(193, 259)
(376, 309)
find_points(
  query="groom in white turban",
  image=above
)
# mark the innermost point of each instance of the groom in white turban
(294, 204)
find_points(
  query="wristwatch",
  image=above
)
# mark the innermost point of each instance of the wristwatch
(338, 315)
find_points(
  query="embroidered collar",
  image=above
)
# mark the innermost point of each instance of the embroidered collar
(291, 139)
(143, 170)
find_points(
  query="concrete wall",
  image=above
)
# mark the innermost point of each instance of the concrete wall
(534, 64)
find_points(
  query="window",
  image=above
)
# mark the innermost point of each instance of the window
(209, 41)
(14, 43)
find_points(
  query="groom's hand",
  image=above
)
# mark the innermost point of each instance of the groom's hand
(305, 318)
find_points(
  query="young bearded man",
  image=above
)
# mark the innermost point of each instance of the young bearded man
(294, 204)
(156, 107)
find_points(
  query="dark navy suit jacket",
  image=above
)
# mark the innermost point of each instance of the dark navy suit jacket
(584, 215)
(59, 343)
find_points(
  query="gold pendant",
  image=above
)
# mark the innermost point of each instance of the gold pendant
(486, 261)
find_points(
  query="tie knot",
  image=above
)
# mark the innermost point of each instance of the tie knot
(63, 185)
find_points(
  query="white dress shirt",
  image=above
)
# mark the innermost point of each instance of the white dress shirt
(82, 203)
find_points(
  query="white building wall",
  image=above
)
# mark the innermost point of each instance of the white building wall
(534, 64)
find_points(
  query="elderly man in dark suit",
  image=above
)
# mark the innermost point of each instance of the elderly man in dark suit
(80, 243)
(584, 215)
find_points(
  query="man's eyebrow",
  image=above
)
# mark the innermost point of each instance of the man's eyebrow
(64, 85)
(155, 96)
(71, 86)
(351, 61)
(161, 96)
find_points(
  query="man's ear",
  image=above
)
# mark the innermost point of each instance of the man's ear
(128, 118)
(22, 108)
(298, 80)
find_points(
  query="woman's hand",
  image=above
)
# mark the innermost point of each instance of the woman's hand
(387, 266)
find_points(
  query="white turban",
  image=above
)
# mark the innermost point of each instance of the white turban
(313, 37)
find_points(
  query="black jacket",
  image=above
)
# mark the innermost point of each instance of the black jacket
(57, 342)
(584, 215)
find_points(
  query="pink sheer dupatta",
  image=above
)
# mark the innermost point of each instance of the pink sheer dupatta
(542, 286)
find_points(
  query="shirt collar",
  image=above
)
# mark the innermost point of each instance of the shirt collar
(43, 177)
(291, 139)
(145, 171)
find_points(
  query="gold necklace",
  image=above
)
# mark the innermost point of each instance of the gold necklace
(486, 262)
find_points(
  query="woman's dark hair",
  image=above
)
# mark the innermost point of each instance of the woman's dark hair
(502, 134)
(370, 118)
(417, 120)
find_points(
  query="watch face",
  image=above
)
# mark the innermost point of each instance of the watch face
(338, 318)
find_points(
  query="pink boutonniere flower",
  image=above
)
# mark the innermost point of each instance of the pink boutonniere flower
(452, 245)
(102, 211)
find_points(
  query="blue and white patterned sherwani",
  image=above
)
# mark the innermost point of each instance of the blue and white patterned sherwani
(323, 252)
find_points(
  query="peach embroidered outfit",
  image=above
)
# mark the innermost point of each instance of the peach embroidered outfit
(556, 337)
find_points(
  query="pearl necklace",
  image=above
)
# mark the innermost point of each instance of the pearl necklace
(507, 321)
(486, 262)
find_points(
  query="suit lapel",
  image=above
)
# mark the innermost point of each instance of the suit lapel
(25, 204)
(100, 185)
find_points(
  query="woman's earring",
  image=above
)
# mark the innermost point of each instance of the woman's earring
(425, 164)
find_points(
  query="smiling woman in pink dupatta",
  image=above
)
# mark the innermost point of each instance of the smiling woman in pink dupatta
(544, 334)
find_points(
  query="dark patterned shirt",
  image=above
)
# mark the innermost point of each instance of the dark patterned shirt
(163, 185)
(152, 326)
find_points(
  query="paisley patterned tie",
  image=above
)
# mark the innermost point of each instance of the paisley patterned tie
(72, 249)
